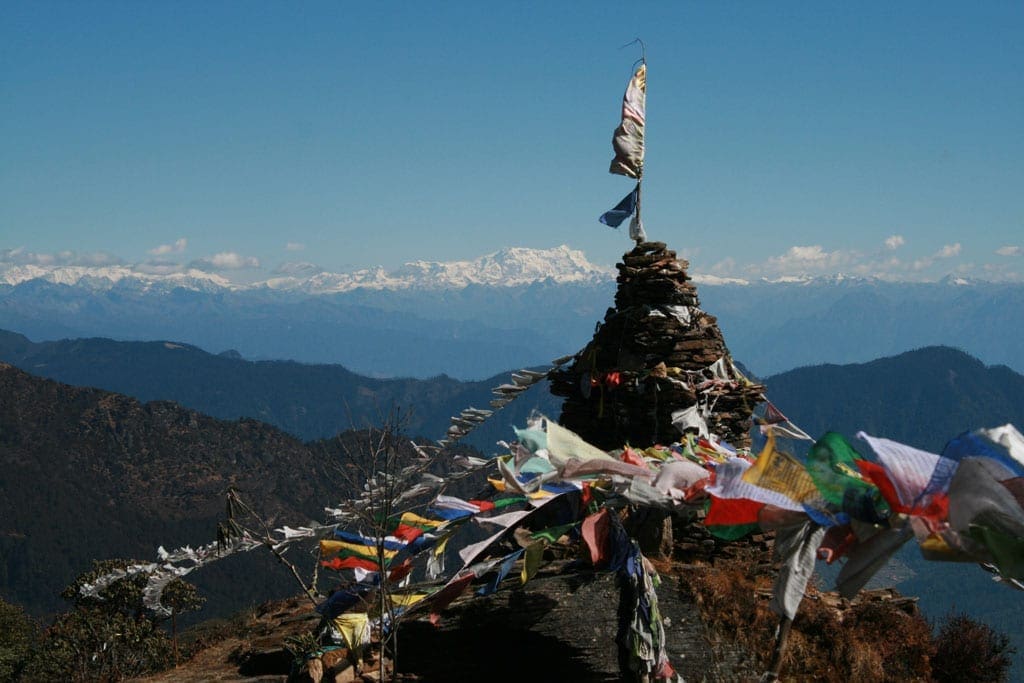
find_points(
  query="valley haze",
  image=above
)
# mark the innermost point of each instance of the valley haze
(512, 308)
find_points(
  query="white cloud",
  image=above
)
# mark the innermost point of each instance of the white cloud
(725, 267)
(1002, 272)
(1009, 251)
(158, 267)
(294, 246)
(231, 260)
(813, 260)
(64, 257)
(895, 242)
(808, 259)
(226, 260)
(298, 269)
(947, 251)
(176, 248)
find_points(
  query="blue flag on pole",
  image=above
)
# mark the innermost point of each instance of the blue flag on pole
(621, 212)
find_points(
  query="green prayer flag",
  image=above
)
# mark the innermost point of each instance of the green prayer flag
(833, 468)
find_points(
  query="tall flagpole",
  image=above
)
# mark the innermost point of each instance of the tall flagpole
(628, 143)
(639, 193)
(640, 237)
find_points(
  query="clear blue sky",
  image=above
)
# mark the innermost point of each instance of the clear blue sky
(782, 137)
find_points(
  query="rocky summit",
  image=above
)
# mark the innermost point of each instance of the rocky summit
(656, 354)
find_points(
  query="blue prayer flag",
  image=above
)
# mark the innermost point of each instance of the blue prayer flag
(621, 212)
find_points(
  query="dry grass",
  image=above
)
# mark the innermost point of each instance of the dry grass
(866, 642)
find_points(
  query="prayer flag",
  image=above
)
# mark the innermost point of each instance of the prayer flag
(628, 140)
(613, 218)
(798, 549)
(780, 472)
(909, 469)
(833, 467)
(503, 571)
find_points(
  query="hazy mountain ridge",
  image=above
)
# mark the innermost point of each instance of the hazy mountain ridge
(308, 401)
(922, 397)
(91, 474)
(777, 327)
(475, 330)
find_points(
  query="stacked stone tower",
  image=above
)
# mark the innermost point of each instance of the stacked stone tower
(655, 354)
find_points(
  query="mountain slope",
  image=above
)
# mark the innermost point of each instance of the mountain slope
(89, 474)
(308, 401)
(921, 397)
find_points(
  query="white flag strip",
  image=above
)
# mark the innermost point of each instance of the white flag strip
(628, 140)
(680, 313)
(729, 484)
(576, 468)
(471, 552)
(798, 549)
(909, 468)
(453, 503)
(719, 371)
(787, 430)
(564, 444)
(690, 418)
(504, 521)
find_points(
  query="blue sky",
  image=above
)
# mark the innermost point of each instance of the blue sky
(782, 138)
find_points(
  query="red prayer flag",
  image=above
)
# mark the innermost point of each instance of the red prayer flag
(407, 533)
(351, 563)
(732, 512)
(595, 534)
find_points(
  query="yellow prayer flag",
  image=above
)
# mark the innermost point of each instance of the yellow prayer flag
(531, 560)
(780, 472)
(354, 629)
(328, 548)
(407, 600)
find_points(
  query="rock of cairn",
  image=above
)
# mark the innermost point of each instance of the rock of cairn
(654, 354)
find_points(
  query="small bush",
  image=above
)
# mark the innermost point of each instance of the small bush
(18, 638)
(967, 651)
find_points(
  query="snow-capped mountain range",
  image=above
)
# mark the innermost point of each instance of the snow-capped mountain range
(511, 267)
(513, 308)
(106, 277)
(508, 268)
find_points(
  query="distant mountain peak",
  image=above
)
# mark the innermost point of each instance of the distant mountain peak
(508, 267)
(107, 277)
(835, 279)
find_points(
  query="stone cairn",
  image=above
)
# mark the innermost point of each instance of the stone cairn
(654, 354)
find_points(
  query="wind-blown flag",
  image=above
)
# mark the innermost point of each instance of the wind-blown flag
(628, 140)
(623, 210)
(781, 472)
(798, 548)
(832, 464)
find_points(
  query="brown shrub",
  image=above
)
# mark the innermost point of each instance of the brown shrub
(967, 651)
